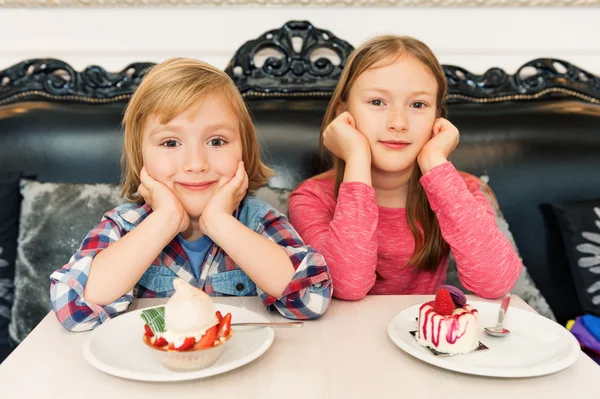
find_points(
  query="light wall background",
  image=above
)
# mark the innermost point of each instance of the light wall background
(474, 38)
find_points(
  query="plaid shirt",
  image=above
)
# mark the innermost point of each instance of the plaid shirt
(306, 297)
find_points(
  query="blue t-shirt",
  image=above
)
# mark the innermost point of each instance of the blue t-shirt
(196, 252)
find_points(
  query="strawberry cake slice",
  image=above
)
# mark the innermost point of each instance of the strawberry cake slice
(448, 324)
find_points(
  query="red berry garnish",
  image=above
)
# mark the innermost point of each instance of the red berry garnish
(187, 343)
(148, 332)
(443, 303)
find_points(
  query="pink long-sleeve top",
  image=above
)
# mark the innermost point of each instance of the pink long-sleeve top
(367, 246)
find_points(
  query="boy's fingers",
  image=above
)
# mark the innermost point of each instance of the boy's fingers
(143, 191)
(223, 181)
(238, 178)
(241, 192)
(145, 179)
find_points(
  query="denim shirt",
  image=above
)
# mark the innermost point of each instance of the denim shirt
(306, 297)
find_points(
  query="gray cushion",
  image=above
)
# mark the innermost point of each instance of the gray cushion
(277, 198)
(55, 217)
(10, 201)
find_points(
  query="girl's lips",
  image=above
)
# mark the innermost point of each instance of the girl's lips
(395, 145)
(197, 186)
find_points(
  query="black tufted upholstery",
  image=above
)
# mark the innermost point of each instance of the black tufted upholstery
(534, 153)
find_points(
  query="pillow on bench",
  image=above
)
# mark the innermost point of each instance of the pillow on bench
(10, 198)
(580, 229)
(55, 218)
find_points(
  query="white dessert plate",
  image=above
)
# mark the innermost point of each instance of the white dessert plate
(116, 348)
(536, 345)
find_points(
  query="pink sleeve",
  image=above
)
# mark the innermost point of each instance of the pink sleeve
(486, 261)
(346, 237)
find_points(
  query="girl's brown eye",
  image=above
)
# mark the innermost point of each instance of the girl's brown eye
(376, 103)
(418, 104)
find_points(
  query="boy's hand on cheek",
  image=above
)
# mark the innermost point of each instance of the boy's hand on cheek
(343, 139)
(162, 200)
(445, 137)
(226, 199)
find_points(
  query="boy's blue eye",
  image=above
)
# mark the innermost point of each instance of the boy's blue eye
(376, 102)
(216, 142)
(170, 144)
(419, 104)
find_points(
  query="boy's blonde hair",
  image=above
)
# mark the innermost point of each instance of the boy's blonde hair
(167, 90)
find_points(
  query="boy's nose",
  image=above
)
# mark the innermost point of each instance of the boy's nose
(195, 161)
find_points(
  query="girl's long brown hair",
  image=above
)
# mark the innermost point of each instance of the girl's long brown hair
(430, 246)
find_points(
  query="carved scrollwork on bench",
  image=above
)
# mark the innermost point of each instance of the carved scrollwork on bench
(301, 60)
(536, 79)
(55, 80)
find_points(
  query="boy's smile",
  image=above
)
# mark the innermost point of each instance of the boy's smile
(200, 186)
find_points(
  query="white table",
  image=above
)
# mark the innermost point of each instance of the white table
(345, 354)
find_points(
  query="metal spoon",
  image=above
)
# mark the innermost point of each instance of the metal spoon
(498, 330)
(270, 324)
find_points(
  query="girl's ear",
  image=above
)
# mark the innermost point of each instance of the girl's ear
(341, 107)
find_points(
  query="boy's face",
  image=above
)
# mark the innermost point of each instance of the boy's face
(394, 107)
(194, 151)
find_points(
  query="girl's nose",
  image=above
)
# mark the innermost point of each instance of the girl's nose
(397, 121)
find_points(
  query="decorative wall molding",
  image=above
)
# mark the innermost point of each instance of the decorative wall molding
(296, 3)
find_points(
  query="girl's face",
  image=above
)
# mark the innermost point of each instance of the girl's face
(193, 152)
(394, 107)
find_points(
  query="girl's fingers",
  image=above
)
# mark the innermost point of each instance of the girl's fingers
(351, 120)
(346, 118)
(438, 126)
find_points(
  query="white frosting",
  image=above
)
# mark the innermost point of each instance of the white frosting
(455, 334)
(190, 312)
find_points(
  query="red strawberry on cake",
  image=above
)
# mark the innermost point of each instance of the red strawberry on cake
(448, 324)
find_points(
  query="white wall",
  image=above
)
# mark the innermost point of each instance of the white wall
(474, 38)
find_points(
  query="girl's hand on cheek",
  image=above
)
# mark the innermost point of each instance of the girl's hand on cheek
(436, 151)
(226, 198)
(162, 200)
(343, 139)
